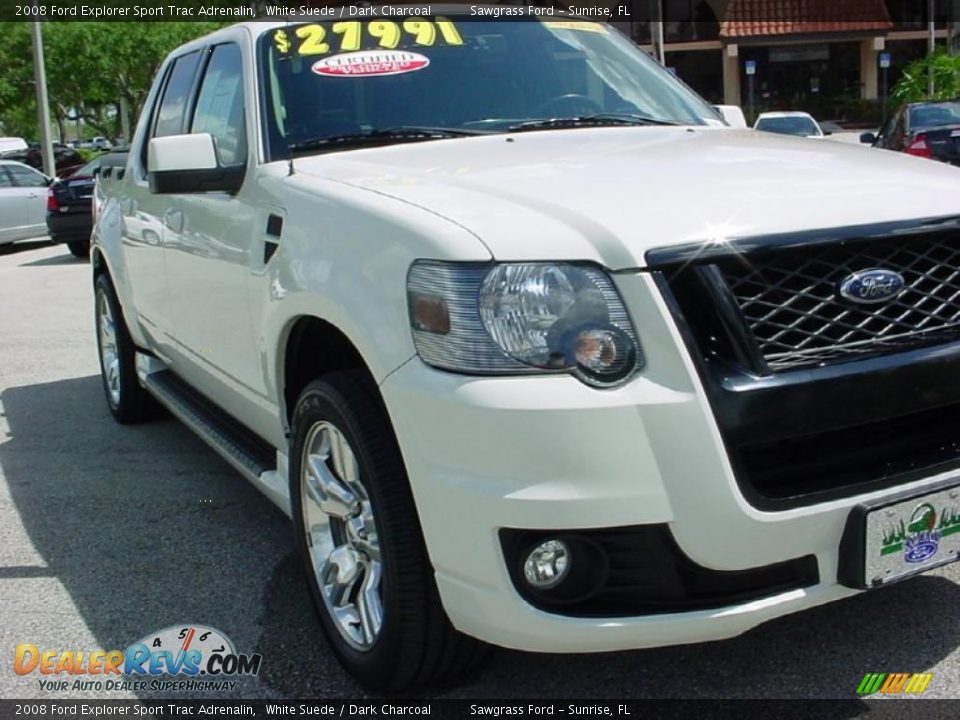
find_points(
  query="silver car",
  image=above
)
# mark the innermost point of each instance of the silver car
(23, 202)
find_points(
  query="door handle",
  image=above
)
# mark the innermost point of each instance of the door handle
(173, 220)
(33, 195)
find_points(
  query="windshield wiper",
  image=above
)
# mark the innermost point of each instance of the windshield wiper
(595, 120)
(384, 136)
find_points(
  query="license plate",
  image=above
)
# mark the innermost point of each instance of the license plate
(909, 536)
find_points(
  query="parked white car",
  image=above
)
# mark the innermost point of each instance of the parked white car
(12, 143)
(532, 349)
(95, 143)
(796, 123)
(23, 202)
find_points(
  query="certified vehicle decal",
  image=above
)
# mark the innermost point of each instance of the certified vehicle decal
(371, 63)
(317, 39)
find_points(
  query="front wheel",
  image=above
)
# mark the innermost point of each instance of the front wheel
(358, 531)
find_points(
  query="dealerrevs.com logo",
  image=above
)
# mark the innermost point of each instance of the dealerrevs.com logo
(201, 658)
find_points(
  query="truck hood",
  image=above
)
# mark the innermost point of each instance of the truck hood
(611, 194)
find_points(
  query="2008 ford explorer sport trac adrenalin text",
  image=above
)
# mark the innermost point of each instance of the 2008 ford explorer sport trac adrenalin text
(534, 350)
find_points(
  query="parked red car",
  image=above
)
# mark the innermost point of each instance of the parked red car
(63, 157)
(926, 129)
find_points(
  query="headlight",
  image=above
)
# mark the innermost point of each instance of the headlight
(522, 318)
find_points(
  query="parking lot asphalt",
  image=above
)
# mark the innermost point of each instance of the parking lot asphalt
(109, 533)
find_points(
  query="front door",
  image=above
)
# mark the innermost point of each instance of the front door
(209, 244)
(33, 190)
(145, 214)
(13, 208)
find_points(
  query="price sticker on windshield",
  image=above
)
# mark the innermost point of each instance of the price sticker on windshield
(351, 36)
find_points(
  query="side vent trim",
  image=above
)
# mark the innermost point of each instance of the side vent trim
(274, 230)
(274, 225)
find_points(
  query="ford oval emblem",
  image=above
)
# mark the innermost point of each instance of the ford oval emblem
(872, 286)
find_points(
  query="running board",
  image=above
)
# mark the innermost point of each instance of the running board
(250, 455)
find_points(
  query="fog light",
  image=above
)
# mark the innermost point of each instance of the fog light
(547, 564)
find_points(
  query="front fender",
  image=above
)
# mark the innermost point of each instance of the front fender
(344, 258)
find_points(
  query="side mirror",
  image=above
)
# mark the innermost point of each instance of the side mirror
(189, 164)
(827, 133)
(868, 138)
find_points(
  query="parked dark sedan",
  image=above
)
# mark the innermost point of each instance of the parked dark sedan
(63, 157)
(927, 129)
(70, 208)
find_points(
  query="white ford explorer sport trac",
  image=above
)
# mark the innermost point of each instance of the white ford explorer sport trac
(533, 349)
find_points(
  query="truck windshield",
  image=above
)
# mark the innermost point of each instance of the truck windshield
(337, 85)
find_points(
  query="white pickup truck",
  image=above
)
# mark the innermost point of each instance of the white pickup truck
(534, 350)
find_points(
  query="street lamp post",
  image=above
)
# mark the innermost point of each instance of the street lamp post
(954, 41)
(884, 87)
(43, 105)
(656, 31)
(125, 121)
(932, 45)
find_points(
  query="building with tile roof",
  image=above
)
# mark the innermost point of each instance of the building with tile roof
(822, 56)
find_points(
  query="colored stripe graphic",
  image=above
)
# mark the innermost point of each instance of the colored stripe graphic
(894, 683)
(871, 683)
(918, 683)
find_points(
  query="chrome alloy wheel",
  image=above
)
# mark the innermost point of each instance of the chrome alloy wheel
(109, 355)
(341, 535)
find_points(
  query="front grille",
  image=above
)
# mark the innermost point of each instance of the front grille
(900, 448)
(773, 341)
(791, 304)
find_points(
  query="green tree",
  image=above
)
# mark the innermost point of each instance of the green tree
(913, 85)
(91, 68)
(17, 116)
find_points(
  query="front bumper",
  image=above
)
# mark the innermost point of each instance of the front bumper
(549, 453)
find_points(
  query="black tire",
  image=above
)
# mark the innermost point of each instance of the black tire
(132, 404)
(79, 248)
(416, 645)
